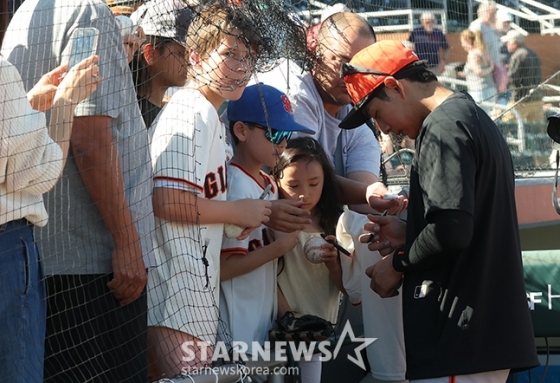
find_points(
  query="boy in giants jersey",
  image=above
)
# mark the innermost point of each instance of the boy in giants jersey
(261, 123)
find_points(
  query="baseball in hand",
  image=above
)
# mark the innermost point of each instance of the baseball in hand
(232, 230)
(312, 249)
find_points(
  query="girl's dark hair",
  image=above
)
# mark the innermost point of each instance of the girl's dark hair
(140, 67)
(308, 149)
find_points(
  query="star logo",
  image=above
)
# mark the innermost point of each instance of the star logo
(358, 361)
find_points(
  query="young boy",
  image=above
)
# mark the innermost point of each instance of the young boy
(189, 155)
(261, 123)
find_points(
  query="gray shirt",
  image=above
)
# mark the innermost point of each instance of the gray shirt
(360, 149)
(76, 239)
(491, 39)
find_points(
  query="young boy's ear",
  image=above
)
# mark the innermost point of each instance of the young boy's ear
(240, 131)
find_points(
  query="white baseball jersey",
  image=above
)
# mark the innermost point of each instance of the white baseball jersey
(189, 152)
(248, 303)
(382, 317)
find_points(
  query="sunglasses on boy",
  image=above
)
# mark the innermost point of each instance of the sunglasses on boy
(277, 135)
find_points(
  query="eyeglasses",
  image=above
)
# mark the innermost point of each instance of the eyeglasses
(348, 69)
(277, 135)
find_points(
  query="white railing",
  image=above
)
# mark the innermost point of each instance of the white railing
(530, 10)
(398, 26)
(411, 14)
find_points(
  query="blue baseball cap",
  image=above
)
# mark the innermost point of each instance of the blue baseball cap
(279, 114)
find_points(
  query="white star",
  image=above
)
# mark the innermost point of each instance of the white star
(364, 343)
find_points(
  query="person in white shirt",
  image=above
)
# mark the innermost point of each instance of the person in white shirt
(32, 156)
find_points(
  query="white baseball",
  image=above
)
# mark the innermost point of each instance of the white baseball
(312, 249)
(232, 230)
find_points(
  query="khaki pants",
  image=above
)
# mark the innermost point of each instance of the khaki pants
(530, 111)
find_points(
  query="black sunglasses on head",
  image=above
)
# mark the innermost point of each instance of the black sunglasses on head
(348, 69)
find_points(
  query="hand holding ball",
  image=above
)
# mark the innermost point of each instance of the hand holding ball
(312, 249)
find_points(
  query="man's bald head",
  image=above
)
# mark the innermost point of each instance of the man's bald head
(340, 24)
(341, 36)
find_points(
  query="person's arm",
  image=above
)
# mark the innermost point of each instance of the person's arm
(184, 206)
(365, 178)
(100, 168)
(478, 61)
(80, 82)
(449, 232)
(443, 52)
(234, 265)
(354, 192)
(29, 159)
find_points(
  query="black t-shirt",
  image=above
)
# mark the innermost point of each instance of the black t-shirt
(149, 111)
(468, 313)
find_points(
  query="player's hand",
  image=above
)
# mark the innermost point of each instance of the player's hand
(252, 213)
(374, 196)
(385, 280)
(385, 234)
(129, 273)
(42, 94)
(287, 216)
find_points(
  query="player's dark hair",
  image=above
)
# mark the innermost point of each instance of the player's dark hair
(308, 149)
(423, 75)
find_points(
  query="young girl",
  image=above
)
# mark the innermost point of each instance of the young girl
(189, 155)
(304, 173)
(160, 63)
(478, 69)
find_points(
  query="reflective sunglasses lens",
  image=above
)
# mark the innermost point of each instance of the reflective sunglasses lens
(278, 136)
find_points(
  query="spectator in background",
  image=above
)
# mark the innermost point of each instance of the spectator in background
(503, 26)
(430, 43)
(485, 24)
(478, 69)
(160, 62)
(98, 243)
(524, 74)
